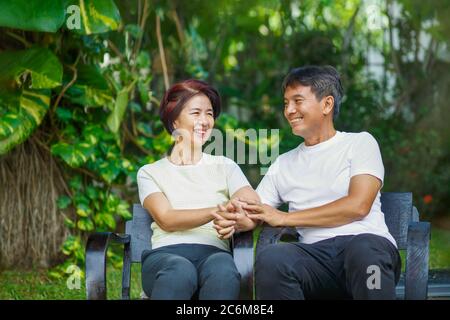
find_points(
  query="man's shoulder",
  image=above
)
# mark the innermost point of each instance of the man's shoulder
(361, 135)
(358, 137)
(289, 155)
(284, 160)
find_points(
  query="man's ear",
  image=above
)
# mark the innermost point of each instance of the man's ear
(328, 104)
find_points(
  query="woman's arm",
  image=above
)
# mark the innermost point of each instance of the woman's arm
(170, 219)
(232, 217)
(246, 192)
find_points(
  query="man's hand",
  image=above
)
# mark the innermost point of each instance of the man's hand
(263, 212)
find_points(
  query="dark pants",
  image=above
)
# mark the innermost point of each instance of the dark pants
(179, 272)
(362, 266)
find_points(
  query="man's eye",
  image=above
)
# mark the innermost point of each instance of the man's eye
(298, 101)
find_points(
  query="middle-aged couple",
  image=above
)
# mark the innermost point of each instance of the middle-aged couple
(331, 183)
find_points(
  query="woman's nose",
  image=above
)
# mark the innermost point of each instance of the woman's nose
(203, 119)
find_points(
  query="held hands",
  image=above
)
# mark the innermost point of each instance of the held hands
(244, 214)
(230, 218)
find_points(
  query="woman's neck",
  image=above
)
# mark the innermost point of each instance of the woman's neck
(185, 154)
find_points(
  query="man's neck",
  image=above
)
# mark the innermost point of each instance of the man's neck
(322, 136)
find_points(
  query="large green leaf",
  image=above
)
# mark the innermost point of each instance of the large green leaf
(74, 155)
(20, 113)
(42, 65)
(33, 15)
(90, 89)
(25, 80)
(97, 16)
(115, 118)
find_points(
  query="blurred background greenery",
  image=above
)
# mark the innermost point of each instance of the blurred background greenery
(79, 106)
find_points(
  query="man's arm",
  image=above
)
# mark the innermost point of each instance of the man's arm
(355, 206)
(170, 219)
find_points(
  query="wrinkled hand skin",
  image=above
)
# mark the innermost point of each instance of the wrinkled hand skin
(263, 212)
(231, 218)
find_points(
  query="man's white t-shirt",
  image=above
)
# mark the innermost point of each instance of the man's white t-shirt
(311, 176)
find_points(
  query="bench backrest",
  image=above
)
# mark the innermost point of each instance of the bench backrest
(140, 231)
(396, 206)
(398, 213)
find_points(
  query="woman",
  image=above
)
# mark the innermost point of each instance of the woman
(184, 192)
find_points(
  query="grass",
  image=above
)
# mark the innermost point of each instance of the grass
(35, 285)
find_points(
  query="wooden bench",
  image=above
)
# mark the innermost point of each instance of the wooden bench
(402, 219)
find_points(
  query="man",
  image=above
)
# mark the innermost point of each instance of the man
(332, 184)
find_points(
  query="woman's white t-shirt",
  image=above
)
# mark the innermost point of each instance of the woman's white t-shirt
(212, 181)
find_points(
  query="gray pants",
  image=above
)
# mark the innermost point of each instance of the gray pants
(185, 271)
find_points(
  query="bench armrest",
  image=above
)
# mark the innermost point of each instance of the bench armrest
(242, 249)
(417, 251)
(96, 249)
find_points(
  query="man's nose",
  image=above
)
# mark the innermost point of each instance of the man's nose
(290, 108)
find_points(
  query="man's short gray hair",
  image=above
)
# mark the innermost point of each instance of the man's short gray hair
(323, 80)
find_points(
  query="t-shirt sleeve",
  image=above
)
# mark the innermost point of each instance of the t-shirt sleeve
(235, 177)
(366, 157)
(146, 185)
(267, 188)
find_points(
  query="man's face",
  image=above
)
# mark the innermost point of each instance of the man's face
(302, 110)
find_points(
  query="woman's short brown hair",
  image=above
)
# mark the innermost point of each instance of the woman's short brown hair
(176, 97)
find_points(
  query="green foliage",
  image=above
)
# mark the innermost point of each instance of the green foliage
(97, 16)
(48, 16)
(91, 88)
(50, 80)
(24, 96)
(42, 66)
(24, 14)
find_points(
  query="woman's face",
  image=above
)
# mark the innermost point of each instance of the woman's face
(196, 120)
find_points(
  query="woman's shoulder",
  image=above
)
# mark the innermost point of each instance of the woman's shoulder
(220, 160)
(150, 167)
